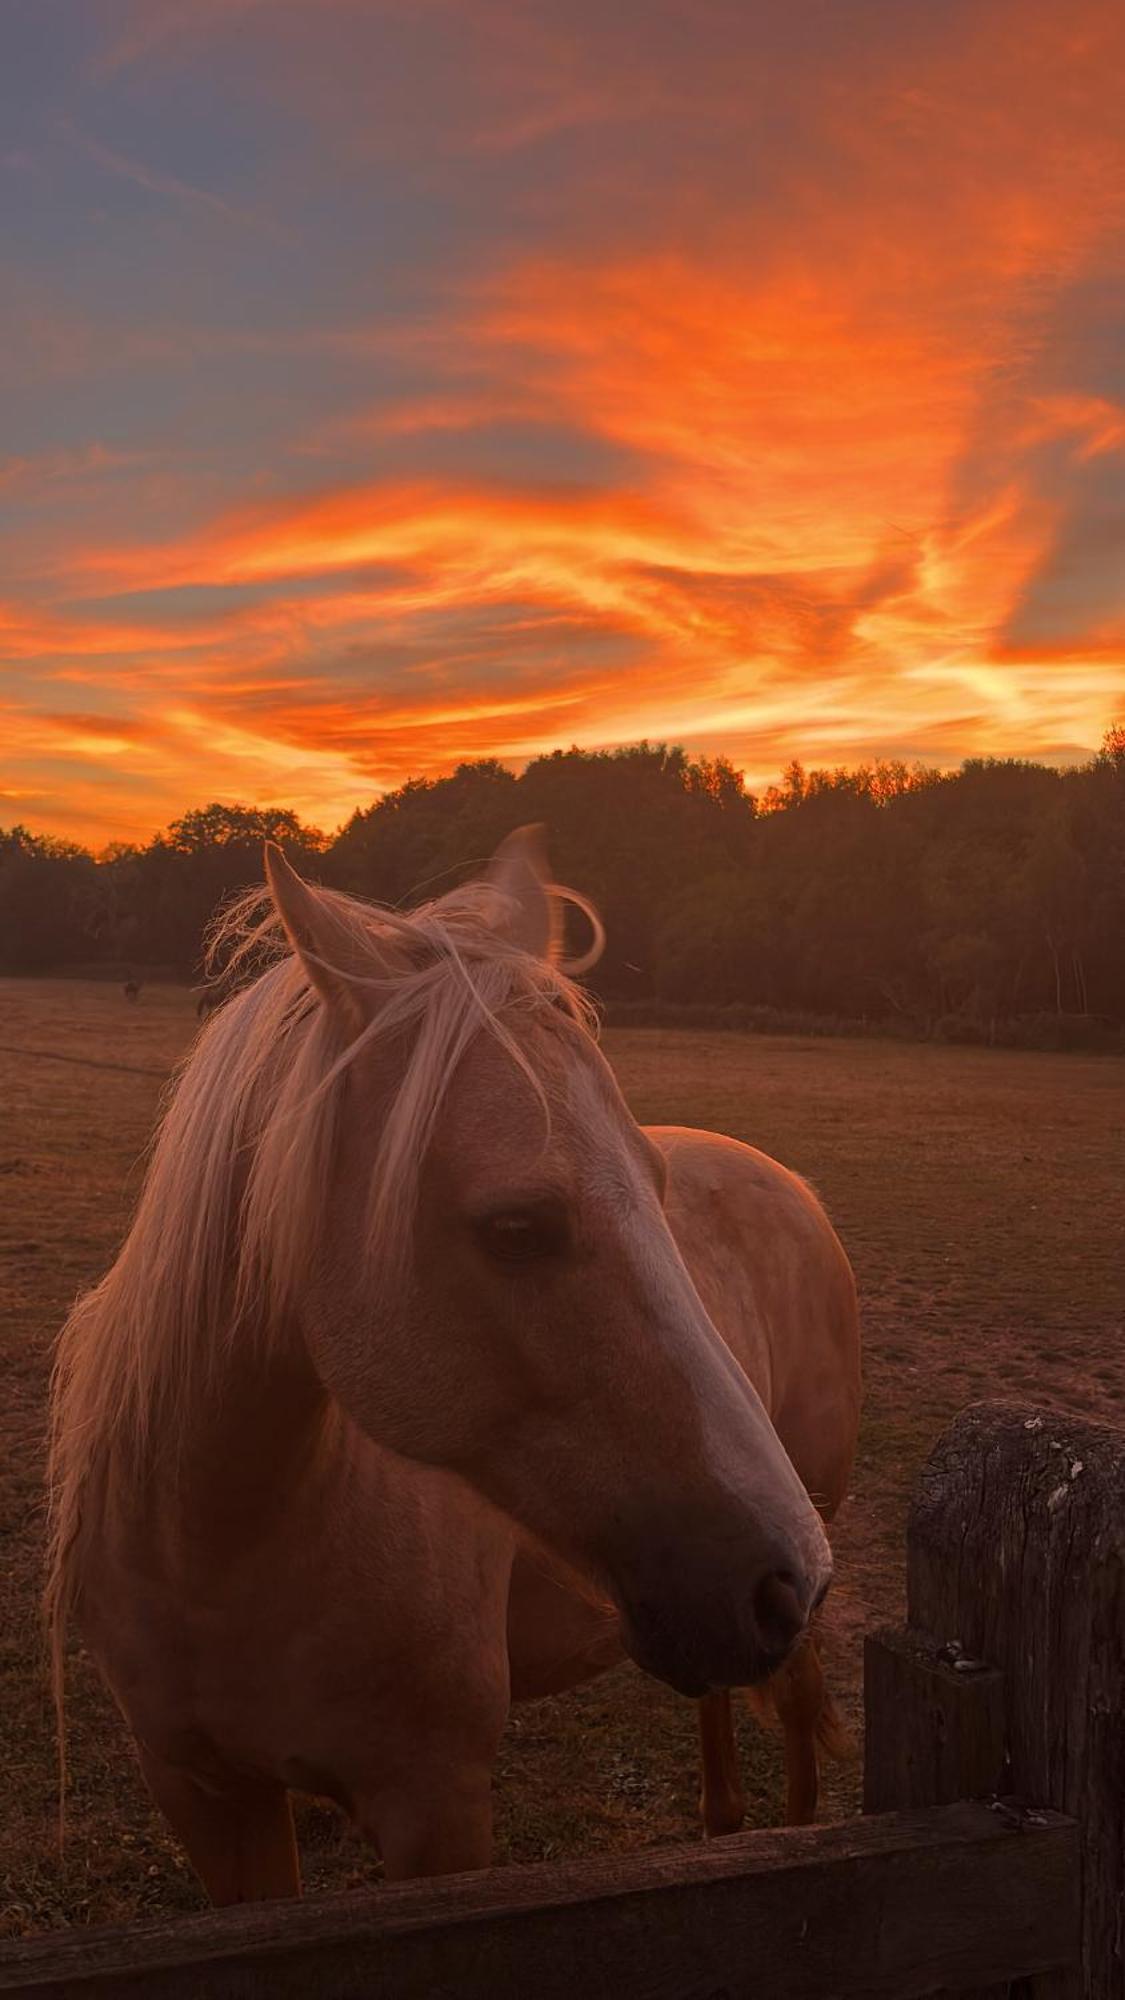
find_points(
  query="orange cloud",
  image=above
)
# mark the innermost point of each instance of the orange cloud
(794, 433)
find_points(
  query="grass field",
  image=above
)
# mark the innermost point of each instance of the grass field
(980, 1194)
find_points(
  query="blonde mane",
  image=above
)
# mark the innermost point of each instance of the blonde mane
(231, 1210)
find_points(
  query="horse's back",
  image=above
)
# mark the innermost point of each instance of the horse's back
(774, 1278)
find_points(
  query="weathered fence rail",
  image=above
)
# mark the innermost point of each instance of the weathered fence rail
(902, 1904)
(1008, 1685)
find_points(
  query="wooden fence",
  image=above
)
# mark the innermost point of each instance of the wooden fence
(990, 1858)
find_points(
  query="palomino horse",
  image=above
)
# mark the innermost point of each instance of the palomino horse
(408, 1389)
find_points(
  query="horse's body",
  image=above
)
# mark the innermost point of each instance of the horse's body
(279, 1597)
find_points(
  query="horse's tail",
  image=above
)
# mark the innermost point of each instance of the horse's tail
(834, 1735)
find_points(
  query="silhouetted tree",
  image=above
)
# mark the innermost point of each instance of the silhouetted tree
(164, 895)
(49, 902)
(885, 890)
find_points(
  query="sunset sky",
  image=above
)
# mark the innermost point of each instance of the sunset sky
(390, 382)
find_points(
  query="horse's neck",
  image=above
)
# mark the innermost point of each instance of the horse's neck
(248, 1448)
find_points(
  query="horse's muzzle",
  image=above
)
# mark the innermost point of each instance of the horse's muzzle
(697, 1639)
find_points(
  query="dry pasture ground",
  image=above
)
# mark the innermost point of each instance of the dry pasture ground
(980, 1195)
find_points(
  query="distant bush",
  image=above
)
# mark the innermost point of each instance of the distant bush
(1062, 1031)
(739, 1017)
(1059, 1032)
(108, 970)
(961, 1030)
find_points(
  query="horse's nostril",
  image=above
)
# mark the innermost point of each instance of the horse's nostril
(778, 1613)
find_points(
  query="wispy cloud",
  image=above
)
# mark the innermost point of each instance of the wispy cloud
(641, 374)
(160, 28)
(186, 194)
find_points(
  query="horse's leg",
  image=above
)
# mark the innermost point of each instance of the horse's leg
(437, 1821)
(239, 1841)
(723, 1801)
(799, 1695)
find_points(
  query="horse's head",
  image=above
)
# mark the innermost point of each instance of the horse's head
(497, 1291)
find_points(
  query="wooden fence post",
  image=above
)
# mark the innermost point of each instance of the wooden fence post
(935, 1724)
(1016, 1558)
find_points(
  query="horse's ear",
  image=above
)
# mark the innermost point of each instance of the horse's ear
(326, 947)
(533, 915)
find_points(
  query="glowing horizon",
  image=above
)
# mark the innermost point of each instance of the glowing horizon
(392, 386)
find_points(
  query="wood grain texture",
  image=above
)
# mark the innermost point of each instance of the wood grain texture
(932, 1733)
(1016, 1549)
(897, 1905)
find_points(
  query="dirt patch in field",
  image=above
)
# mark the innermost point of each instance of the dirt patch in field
(980, 1195)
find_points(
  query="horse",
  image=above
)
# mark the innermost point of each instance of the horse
(408, 1392)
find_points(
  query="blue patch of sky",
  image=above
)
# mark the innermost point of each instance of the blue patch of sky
(1080, 586)
(466, 648)
(191, 603)
(1087, 345)
(527, 455)
(48, 46)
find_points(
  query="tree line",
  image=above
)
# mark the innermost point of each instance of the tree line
(882, 894)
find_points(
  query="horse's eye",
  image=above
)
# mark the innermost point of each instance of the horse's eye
(518, 1235)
